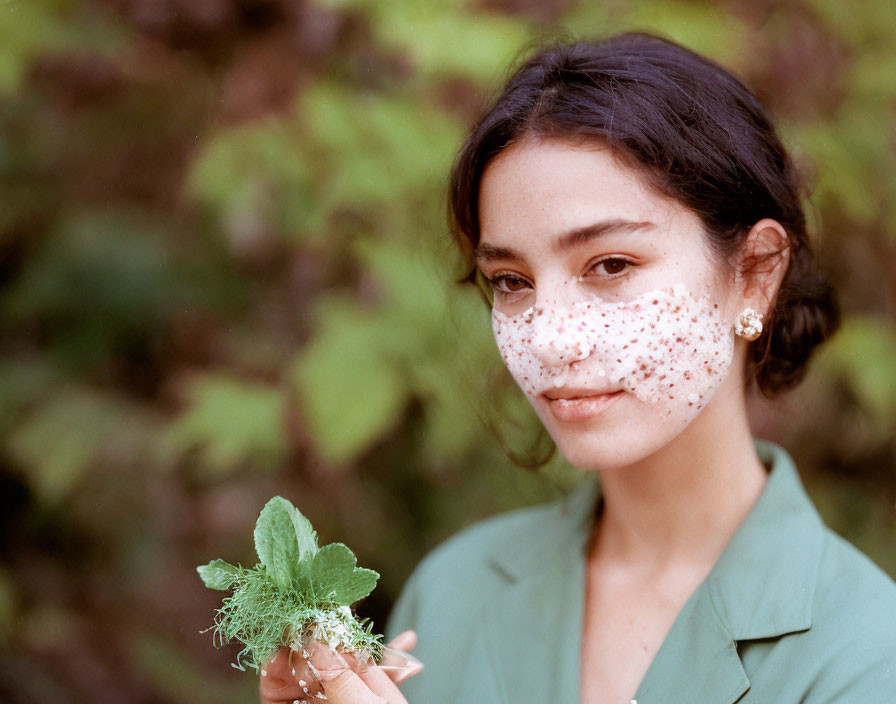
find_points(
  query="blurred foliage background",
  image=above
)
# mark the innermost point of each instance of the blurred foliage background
(224, 275)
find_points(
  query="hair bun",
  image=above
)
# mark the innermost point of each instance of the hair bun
(806, 313)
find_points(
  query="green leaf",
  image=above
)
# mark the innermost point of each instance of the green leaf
(863, 24)
(334, 574)
(398, 136)
(231, 422)
(283, 537)
(306, 539)
(351, 391)
(66, 436)
(24, 381)
(27, 30)
(218, 574)
(862, 354)
(257, 179)
(446, 39)
(443, 38)
(127, 281)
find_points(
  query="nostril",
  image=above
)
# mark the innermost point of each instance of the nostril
(570, 350)
(580, 351)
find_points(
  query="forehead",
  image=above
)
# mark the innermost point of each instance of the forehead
(542, 188)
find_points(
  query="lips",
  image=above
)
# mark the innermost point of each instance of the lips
(572, 405)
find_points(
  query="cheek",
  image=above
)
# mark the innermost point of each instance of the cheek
(681, 353)
(514, 338)
(665, 347)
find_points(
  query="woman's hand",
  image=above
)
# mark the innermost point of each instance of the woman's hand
(333, 677)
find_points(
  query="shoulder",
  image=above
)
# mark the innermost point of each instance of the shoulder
(855, 599)
(466, 572)
(464, 565)
(853, 635)
(478, 543)
(447, 597)
(847, 574)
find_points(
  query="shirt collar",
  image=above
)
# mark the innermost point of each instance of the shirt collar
(761, 586)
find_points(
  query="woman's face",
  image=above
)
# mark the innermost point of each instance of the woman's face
(609, 309)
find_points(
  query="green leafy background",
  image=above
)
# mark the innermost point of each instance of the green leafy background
(224, 275)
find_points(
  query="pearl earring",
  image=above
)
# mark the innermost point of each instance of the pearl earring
(748, 324)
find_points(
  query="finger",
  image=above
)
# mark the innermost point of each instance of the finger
(340, 683)
(287, 677)
(406, 640)
(276, 683)
(348, 688)
(379, 682)
(397, 663)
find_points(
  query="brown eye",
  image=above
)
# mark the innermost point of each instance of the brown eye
(509, 284)
(611, 267)
(514, 284)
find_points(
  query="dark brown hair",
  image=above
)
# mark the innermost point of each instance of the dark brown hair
(696, 133)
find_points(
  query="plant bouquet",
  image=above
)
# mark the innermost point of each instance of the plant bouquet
(298, 596)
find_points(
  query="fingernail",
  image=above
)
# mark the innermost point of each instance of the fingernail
(329, 664)
(401, 664)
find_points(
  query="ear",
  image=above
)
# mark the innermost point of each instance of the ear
(761, 264)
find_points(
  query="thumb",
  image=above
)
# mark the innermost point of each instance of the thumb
(341, 684)
(348, 688)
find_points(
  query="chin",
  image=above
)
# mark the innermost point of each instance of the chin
(604, 454)
(624, 436)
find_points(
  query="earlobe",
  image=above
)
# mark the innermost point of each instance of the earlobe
(762, 264)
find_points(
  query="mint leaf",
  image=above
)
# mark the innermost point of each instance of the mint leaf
(306, 537)
(218, 574)
(283, 537)
(335, 577)
(306, 540)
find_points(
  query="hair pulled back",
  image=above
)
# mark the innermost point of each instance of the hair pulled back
(697, 134)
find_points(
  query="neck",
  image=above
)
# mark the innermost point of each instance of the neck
(680, 506)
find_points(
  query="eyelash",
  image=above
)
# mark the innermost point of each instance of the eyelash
(501, 279)
(622, 260)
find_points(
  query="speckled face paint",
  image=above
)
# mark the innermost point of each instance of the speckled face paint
(666, 347)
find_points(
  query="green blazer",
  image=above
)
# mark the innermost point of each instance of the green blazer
(790, 612)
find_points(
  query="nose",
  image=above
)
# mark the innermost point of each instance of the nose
(557, 339)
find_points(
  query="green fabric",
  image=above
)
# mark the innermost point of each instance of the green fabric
(789, 613)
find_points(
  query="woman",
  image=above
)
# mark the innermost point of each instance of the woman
(640, 228)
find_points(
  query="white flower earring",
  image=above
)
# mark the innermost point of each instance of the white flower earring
(749, 324)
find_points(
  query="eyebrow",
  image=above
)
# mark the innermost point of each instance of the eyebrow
(568, 240)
